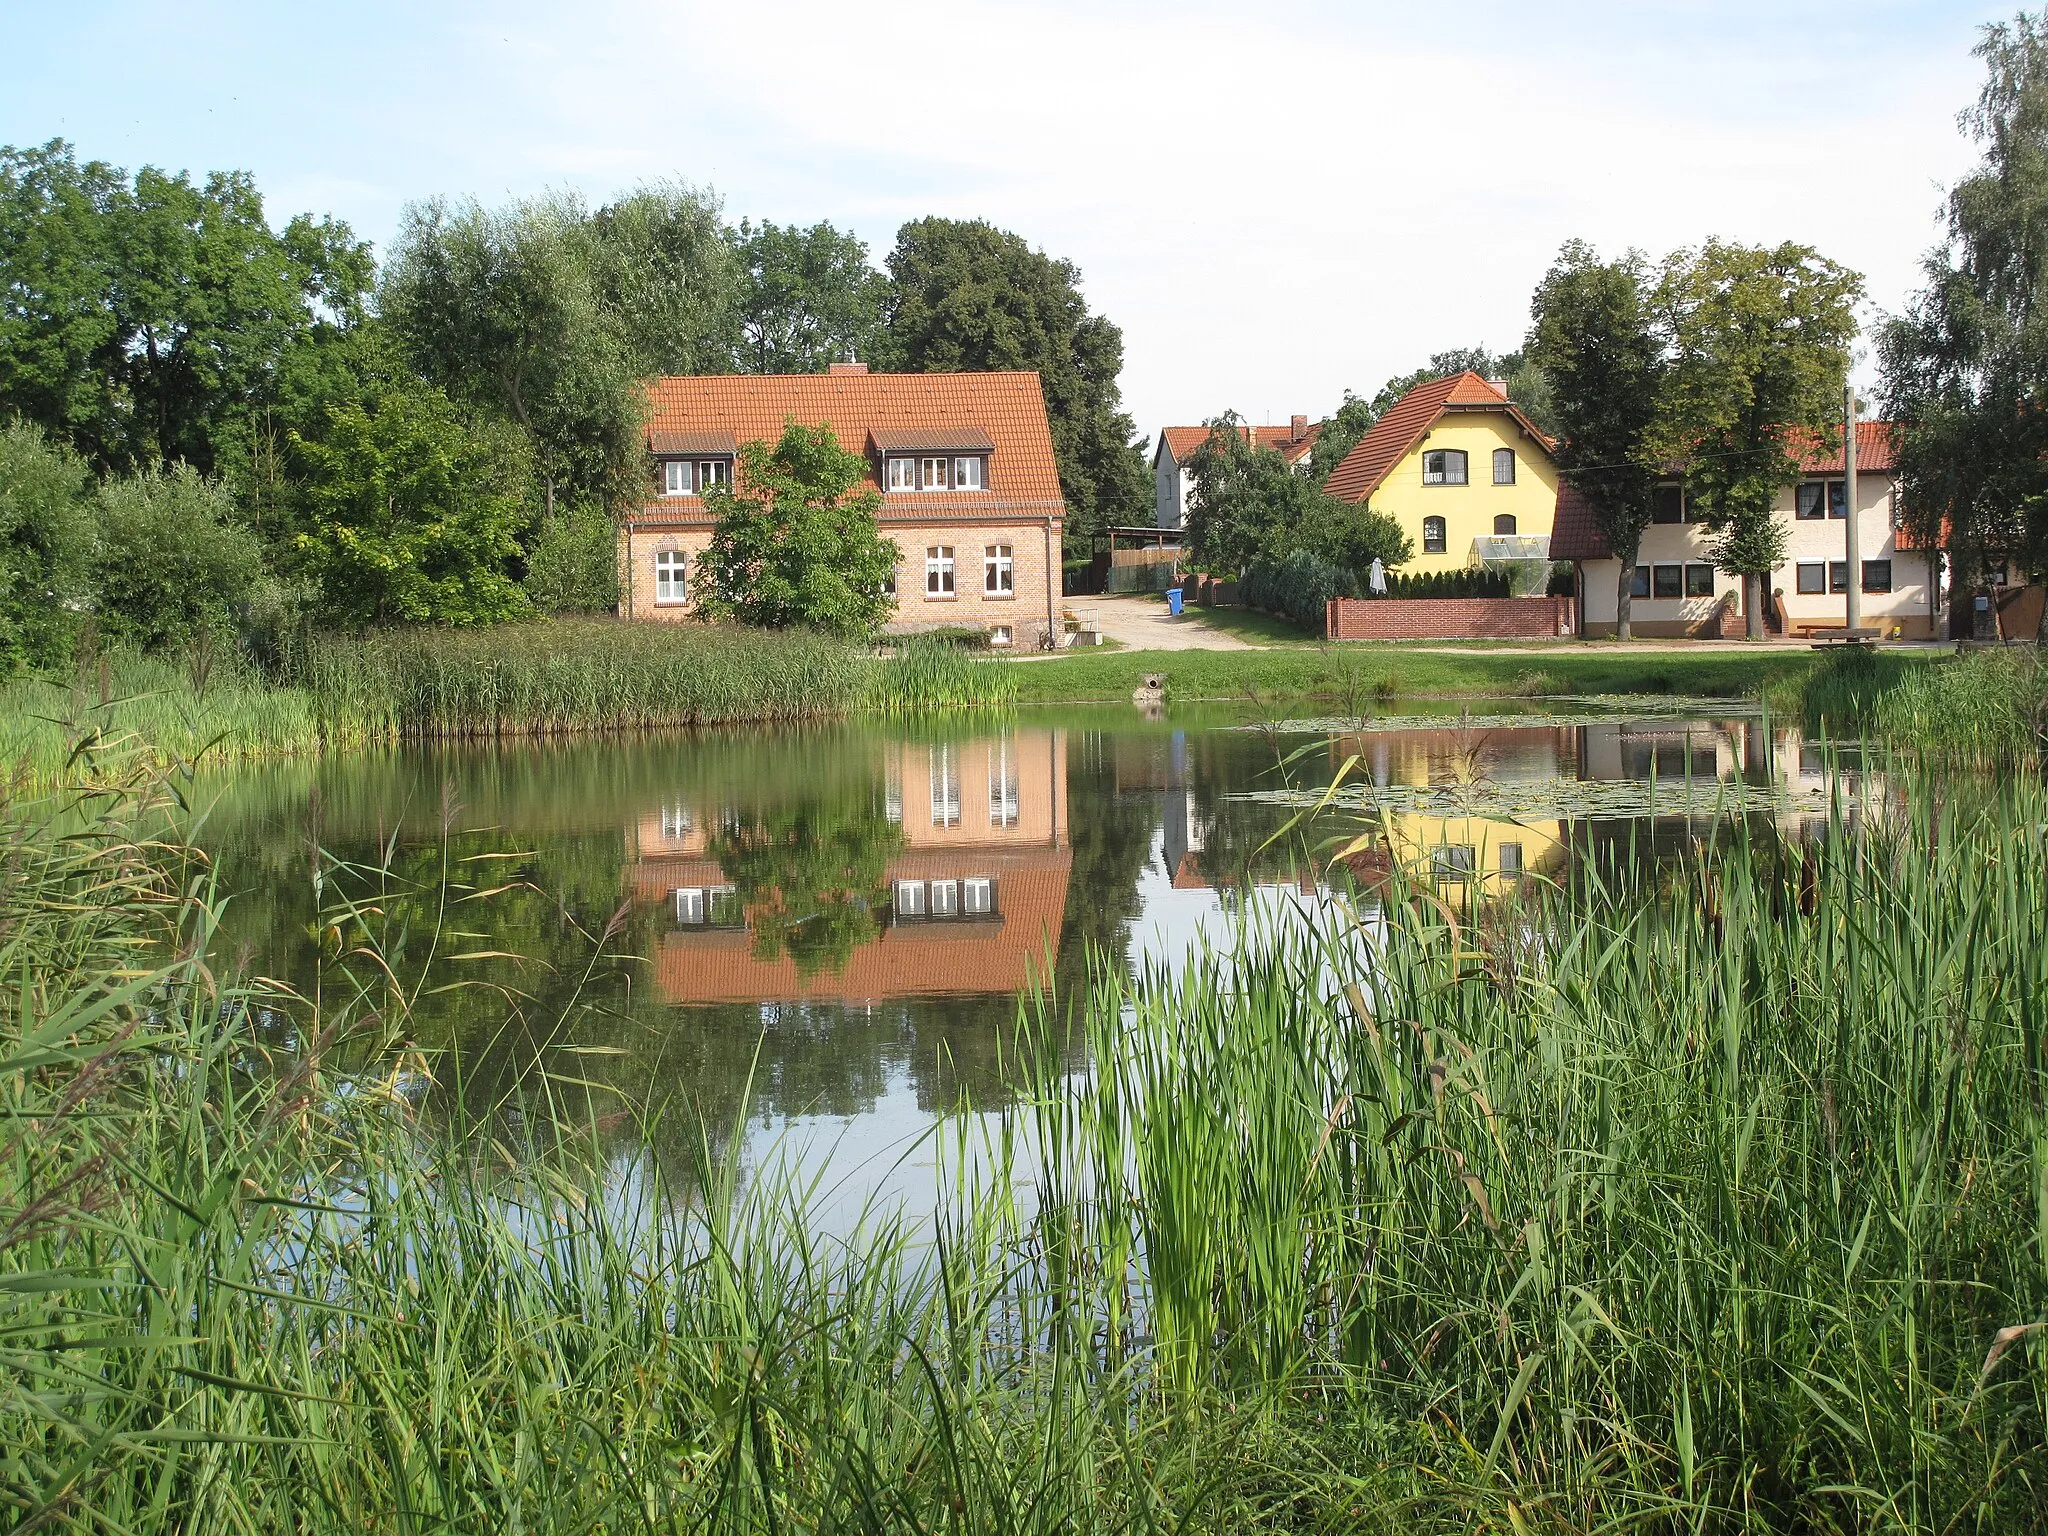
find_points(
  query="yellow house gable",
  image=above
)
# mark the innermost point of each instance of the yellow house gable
(1515, 495)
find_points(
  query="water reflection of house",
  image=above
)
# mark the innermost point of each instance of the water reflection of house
(976, 892)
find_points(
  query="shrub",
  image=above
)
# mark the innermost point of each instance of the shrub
(1477, 581)
(173, 559)
(1296, 588)
(45, 548)
(573, 566)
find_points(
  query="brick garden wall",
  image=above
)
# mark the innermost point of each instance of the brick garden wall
(1450, 618)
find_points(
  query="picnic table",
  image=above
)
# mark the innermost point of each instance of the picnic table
(1826, 636)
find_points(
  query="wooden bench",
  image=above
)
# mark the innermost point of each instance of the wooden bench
(1824, 636)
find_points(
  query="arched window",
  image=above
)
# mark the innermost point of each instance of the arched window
(1503, 466)
(1443, 466)
(1504, 522)
(1432, 535)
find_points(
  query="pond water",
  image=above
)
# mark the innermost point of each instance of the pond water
(819, 937)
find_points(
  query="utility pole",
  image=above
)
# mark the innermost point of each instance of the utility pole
(1850, 529)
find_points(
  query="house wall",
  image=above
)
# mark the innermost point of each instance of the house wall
(1904, 609)
(1169, 489)
(1469, 510)
(1026, 610)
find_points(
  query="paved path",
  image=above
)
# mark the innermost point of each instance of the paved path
(1143, 624)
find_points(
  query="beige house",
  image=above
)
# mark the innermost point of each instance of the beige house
(1677, 590)
(963, 463)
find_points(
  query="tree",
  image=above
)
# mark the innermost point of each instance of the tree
(1964, 370)
(807, 298)
(411, 513)
(966, 295)
(1525, 383)
(1759, 343)
(146, 320)
(667, 279)
(46, 540)
(796, 541)
(174, 560)
(503, 310)
(1248, 505)
(1592, 337)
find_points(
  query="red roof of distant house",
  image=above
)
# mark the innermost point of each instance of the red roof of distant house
(1397, 432)
(1182, 442)
(1575, 535)
(1002, 414)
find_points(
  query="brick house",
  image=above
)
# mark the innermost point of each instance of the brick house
(963, 463)
(1172, 480)
(1675, 588)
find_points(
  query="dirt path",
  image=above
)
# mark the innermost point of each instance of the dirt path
(1143, 624)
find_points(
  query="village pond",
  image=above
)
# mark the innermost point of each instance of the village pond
(820, 937)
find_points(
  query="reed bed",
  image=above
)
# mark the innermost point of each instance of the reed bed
(1710, 1203)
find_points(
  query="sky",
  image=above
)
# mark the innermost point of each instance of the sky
(1276, 204)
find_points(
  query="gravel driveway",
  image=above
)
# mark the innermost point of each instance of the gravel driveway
(1143, 624)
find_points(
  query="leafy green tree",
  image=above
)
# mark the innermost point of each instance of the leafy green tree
(808, 298)
(1248, 505)
(573, 563)
(411, 513)
(1964, 369)
(502, 309)
(147, 319)
(174, 559)
(1759, 344)
(796, 542)
(1340, 434)
(1526, 386)
(967, 295)
(667, 279)
(1592, 335)
(46, 541)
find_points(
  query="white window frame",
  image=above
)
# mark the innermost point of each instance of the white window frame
(1442, 476)
(938, 571)
(1001, 635)
(910, 898)
(671, 577)
(692, 910)
(977, 896)
(945, 898)
(675, 478)
(968, 475)
(945, 787)
(932, 473)
(998, 570)
(713, 474)
(902, 474)
(1005, 785)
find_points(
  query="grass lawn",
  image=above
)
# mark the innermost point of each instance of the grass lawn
(1384, 671)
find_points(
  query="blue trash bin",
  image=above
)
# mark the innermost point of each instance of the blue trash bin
(1173, 601)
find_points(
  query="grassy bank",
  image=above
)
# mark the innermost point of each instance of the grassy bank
(554, 678)
(1337, 672)
(1715, 1203)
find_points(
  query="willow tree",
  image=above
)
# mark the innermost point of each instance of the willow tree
(1965, 369)
(1759, 344)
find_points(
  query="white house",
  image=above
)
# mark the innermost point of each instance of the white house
(1677, 590)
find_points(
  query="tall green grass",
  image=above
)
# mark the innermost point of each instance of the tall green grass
(1707, 1203)
(1979, 708)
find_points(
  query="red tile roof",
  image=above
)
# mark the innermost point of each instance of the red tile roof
(1574, 535)
(1183, 441)
(1397, 432)
(1006, 410)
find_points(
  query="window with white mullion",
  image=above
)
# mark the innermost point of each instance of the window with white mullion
(903, 474)
(998, 571)
(676, 479)
(938, 571)
(671, 576)
(932, 474)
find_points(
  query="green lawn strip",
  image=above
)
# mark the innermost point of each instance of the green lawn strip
(1394, 671)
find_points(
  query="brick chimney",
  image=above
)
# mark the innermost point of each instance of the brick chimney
(848, 366)
(1501, 385)
(1299, 426)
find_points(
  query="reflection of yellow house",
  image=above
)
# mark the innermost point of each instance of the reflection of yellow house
(976, 893)
(1465, 857)
(1461, 469)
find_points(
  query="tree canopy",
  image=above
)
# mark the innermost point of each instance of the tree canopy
(1964, 369)
(1249, 506)
(808, 297)
(1593, 338)
(796, 541)
(966, 295)
(1759, 345)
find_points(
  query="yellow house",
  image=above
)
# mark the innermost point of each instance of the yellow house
(1461, 469)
